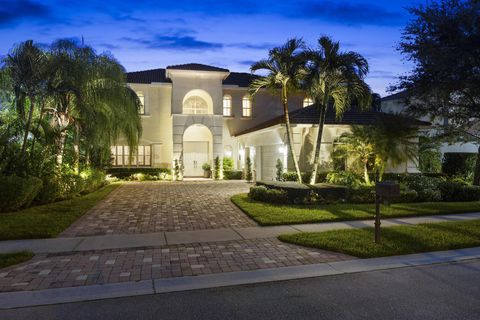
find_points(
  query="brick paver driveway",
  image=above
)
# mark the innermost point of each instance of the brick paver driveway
(145, 207)
(110, 266)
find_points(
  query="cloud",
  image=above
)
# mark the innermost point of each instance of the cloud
(175, 42)
(254, 46)
(15, 11)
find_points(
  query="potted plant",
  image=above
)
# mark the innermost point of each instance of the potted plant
(207, 170)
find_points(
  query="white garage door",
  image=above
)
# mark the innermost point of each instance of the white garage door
(270, 154)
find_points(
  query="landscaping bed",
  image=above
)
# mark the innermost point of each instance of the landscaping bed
(268, 214)
(395, 240)
(10, 259)
(48, 221)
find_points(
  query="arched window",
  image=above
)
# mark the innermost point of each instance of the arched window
(141, 97)
(307, 102)
(227, 106)
(195, 105)
(246, 106)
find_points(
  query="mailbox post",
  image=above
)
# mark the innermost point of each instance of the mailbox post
(384, 191)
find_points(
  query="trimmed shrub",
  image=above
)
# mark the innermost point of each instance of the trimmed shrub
(17, 192)
(233, 175)
(292, 176)
(346, 178)
(296, 192)
(407, 195)
(330, 192)
(93, 179)
(361, 194)
(454, 191)
(248, 170)
(262, 193)
(279, 171)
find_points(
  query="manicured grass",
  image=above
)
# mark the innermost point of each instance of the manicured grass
(47, 221)
(277, 214)
(9, 259)
(395, 240)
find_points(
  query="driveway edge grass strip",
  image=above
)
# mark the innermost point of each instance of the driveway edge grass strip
(398, 240)
(49, 220)
(267, 214)
(10, 259)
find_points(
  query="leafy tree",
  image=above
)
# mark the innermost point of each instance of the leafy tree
(25, 67)
(394, 142)
(429, 155)
(357, 145)
(286, 67)
(335, 78)
(443, 43)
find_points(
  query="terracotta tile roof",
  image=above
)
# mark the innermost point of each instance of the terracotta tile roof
(353, 116)
(147, 76)
(197, 67)
(241, 79)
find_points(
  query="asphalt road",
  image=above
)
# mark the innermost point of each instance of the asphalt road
(448, 291)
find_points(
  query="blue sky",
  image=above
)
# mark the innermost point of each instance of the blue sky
(146, 34)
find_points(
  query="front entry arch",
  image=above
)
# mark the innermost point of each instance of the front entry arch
(197, 149)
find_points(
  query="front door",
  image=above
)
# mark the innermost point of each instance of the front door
(195, 154)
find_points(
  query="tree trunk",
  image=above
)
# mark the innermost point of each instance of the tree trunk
(318, 144)
(289, 134)
(76, 149)
(365, 174)
(61, 147)
(476, 176)
(27, 128)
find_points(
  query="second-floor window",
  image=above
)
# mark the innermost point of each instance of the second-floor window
(141, 97)
(227, 106)
(246, 107)
(195, 105)
(307, 102)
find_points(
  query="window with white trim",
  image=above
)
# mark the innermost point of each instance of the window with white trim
(227, 106)
(246, 107)
(141, 97)
(140, 157)
(307, 102)
(195, 105)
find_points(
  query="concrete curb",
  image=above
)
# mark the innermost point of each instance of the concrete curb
(9, 300)
(130, 241)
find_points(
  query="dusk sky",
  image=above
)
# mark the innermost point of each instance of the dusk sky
(154, 34)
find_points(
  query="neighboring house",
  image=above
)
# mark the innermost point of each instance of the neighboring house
(396, 103)
(193, 113)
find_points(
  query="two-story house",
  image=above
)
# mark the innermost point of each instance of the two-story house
(193, 113)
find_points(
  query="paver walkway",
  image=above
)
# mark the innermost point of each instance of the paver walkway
(111, 266)
(146, 207)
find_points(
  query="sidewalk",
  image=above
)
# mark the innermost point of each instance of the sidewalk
(155, 286)
(128, 241)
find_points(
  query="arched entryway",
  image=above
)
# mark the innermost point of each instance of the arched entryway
(197, 149)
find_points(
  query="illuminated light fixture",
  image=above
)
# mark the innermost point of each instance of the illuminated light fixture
(282, 149)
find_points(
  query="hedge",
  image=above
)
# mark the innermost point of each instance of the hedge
(233, 175)
(18, 192)
(125, 173)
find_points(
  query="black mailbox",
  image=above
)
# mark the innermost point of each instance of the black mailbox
(387, 189)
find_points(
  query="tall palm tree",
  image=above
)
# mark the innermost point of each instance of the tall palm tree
(25, 67)
(394, 141)
(90, 96)
(286, 68)
(335, 78)
(358, 147)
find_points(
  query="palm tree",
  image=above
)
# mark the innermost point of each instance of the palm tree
(395, 142)
(286, 67)
(90, 96)
(358, 147)
(25, 67)
(335, 78)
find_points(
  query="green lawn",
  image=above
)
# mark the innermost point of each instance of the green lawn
(277, 214)
(47, 221)
(9, 259)
(395, 240)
